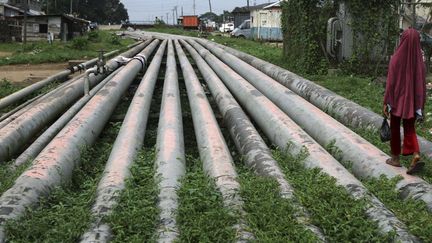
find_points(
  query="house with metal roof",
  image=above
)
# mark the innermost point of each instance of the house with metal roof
(266, 22)
(241, 14)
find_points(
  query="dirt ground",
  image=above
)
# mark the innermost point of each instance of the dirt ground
(30, 73)
(5, 54)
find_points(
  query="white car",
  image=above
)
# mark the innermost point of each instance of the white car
(227, 27)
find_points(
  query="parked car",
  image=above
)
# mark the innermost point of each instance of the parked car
(227, 27)
(93, 26)
(243, 31)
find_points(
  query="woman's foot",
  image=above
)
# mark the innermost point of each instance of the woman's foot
(394, 161)
(416, 164)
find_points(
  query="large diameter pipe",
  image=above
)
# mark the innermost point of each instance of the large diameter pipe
(286, 134)
(19, 95)
(55, 164)
(247, 139)
(344, 110)
(170, 158)
(366, 159)
(123, 154)
(17, 133)
(39, 144)
(213, 150)
(21, 109)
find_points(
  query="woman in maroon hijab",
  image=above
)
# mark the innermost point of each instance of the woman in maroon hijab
(405, 97)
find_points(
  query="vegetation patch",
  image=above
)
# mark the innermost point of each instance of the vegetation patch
(413, 213)
(202, 216)
(136, 216)
(341, 218)
(85, 47)
(270, 217)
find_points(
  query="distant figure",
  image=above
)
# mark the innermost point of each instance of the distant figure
(50, 37)
(405, 98)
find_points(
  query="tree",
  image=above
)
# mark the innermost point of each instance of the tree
(100, 11)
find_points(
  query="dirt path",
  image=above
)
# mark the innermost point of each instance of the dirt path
(5, 54)
(30, 73)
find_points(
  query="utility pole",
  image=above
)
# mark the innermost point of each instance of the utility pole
(248, 4)
(71, 1)
(26, 7)
(167, 14)
(47, 9)
(194, 7)
(173, 16)
(210, 6)
(182, 11)
(176, 14)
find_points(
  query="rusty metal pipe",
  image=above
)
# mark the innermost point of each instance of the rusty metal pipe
(213, 150)
(39, 144)
(18, 132)
(248, 141)
(286, 134)
(55, 164)
(366, 159)
(123, 154)
(17, 96)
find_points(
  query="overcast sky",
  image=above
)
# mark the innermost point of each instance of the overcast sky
(147, 10)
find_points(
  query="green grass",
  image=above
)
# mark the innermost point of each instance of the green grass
(201, 214)
(270, 217)
(413, 213)
(42, 52)
(136, 216)
(341, 218)
(7, 87)
(65, 214)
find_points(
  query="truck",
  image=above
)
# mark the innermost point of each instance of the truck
(190, 22)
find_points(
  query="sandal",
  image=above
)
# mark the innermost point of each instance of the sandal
(393, 162)
(415, 166)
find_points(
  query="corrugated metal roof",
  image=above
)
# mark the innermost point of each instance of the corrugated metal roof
(276, 4)
(245, 9)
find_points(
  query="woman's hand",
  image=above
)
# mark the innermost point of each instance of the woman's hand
(385, 111)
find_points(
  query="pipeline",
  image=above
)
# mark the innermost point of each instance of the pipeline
(170, 158)
(248, 141)
(21, 109)
(17, 133)
(123, 154)
(366, 159)
(55, 164)
(19, 95)
(39, 144)
(213, 150)
(286, 134)
(345, 111)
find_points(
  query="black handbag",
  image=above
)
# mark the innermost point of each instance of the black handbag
(385, 133)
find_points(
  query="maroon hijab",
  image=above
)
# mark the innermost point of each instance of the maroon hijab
(406, 86)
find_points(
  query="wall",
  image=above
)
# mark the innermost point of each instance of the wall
(240, 17)
(266, 24)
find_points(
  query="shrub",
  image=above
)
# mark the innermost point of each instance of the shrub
(79, 43)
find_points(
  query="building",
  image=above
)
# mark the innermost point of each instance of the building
(64, 27)
(266, 23)
(10, 8)
(241, 14)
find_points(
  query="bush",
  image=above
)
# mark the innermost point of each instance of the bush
(80, 43)
(94, 36)
(115, 40)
